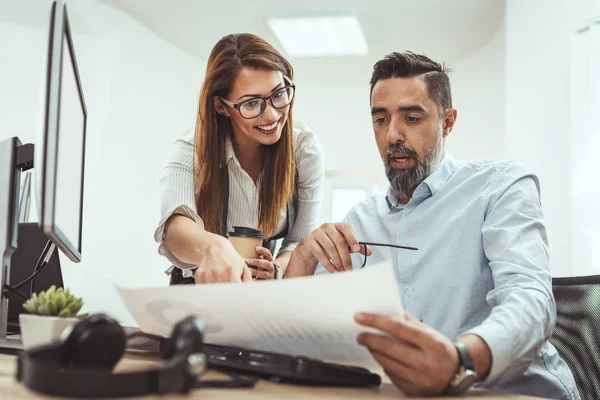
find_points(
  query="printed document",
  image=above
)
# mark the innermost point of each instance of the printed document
(307, 316)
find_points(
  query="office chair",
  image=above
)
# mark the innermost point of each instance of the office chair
(577, 332)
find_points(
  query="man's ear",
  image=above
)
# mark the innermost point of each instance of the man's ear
(219, 107)
(449, 121)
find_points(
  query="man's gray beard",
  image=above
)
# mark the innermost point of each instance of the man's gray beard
(404, 181)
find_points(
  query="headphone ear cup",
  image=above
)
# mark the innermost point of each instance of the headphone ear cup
(186, 338)
(97, 341)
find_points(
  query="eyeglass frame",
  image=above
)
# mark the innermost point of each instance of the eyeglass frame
(383, 245)
(265, 99)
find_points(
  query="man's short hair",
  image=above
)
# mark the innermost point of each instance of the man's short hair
(408, 65)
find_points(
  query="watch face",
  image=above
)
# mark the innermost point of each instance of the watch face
(465, 383)
(462, 381)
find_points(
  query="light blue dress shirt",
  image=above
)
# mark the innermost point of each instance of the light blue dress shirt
(482, 266)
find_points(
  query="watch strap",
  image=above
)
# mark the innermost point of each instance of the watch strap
(466, 376)
(464, 357)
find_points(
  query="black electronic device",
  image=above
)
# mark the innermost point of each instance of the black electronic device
(287, 368)
(80, 364)
(275, 367)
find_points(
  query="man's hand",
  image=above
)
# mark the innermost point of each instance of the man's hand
(331, 245)
(418, 359)
(220, 262)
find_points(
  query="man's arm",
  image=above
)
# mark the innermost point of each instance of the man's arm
(523, 309)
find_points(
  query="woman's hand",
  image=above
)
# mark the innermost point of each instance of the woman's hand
(220, 262)
(262, 268)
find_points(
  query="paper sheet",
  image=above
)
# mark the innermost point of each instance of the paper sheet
(308, 316)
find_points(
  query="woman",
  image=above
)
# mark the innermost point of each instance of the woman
(246, 164)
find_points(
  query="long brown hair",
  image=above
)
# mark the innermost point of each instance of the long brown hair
(230, 54)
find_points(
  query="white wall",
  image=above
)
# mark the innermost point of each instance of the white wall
(21, 74)
(339, 112)
(538, 34)
(479, 96)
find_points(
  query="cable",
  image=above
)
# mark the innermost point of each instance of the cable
(39, 267)
(45, 257)
(13, 290)
(41, 263)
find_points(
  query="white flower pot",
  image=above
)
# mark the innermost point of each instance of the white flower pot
(42, 329)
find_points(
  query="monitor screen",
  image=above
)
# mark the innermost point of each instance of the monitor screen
(61, 157)
(71, 124)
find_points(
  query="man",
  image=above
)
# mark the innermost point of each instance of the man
(477, 293)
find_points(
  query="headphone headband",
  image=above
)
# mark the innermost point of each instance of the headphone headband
(80, 365)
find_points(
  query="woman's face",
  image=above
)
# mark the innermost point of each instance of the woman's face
(266, 128)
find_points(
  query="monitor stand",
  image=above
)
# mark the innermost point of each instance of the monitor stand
(14, 158)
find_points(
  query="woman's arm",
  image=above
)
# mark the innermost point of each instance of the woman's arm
(186, 240)
(181, 233)
(177, 193)
(214, 255)
(282, 260)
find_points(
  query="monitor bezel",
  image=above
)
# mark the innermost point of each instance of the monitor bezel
(59, 29)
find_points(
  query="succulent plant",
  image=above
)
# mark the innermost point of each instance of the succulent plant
(55, 302)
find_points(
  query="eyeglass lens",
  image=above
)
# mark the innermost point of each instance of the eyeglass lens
(254, 107)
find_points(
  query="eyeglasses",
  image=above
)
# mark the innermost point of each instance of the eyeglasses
(255, 106)
(383, 245)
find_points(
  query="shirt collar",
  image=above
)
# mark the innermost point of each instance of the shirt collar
(229, 153)
(441, 174)
(433, 183)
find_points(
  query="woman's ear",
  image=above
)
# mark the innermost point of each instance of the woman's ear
(219, 107)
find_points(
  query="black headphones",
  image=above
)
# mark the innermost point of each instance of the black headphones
(80, 364)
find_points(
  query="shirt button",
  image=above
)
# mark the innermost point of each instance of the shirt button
(409, 292)
(409, 209)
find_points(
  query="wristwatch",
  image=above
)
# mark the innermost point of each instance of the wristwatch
(466, 376)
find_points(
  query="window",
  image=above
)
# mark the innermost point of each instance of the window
(343, 199)
(344, 189)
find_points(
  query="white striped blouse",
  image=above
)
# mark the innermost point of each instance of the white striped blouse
(177, 190)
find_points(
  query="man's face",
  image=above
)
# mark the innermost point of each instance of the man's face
(409, 131)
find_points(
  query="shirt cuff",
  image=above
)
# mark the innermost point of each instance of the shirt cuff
(159, 233)
(501, 349)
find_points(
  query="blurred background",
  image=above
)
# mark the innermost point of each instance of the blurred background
(525, 80)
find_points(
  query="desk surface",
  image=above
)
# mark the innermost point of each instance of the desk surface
(11, 389)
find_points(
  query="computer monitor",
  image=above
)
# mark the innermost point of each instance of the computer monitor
(60, 153)
(58, 160)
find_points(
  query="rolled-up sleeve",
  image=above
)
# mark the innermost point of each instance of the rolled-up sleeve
(310, 162)
(523, 309)
(177, 191)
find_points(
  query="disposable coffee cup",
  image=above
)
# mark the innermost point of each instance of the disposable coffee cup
(245, 241)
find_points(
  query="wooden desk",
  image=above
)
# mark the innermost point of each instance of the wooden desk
(11, 389)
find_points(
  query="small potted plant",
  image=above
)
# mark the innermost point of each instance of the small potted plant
(49, 313)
